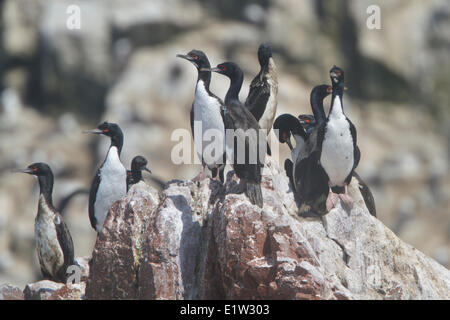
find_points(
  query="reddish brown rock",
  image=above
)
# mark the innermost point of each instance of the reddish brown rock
(49, 290)
(69, 292)
(115, 261)
(207, 242)
(10, 292)
(41, 290)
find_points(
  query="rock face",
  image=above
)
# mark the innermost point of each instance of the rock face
(206, 242)
(49, 290)
(10, 292)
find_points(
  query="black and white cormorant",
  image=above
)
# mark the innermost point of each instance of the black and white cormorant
(206, 114)
(247, 149)
(134, 175)
(310, 182)
(54, 244)
(262, 96)
(301, 130)
(339, 153)
(309, 123)
(110, 181)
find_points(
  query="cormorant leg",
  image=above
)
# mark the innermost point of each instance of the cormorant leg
(217, 175)
(332, 200)
(345, 197)
(201, 176)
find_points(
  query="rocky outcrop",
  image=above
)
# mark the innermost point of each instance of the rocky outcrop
(10, 292)
(49, 290)
(206, 242)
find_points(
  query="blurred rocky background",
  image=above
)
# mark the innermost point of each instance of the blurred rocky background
(120, 66)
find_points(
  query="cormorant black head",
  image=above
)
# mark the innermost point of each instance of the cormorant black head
(287, 124)
(308, 122)
(336, 75)
(264, 54)
(197, 57)
(111, 130)
(139, 163)
(229, 69)
(234, 72)
(45, 176)
(37, 169)
(320, 92)
(135, 174)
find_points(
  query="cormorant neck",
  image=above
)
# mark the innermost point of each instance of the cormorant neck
(136, 174)
(317, 108)
(205, 76)
(46, 187)
(337, 107)
(298, 130)
(117, 141)
(235, 87)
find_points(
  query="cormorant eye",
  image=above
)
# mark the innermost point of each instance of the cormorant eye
(195, 57)
(224, 68)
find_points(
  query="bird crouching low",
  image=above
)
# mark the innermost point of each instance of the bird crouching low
(138, 164)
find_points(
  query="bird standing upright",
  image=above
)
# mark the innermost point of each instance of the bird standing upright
(245, 145)
(110, 181)
(206, 116)
(339, 153)
(54, 244)
(262, 96)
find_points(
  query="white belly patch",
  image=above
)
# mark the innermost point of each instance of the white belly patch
(337, 156)
(112, 186)
(209, 129)
(47, 245)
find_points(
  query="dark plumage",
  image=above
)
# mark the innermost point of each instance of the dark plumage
(54, 244)
(134, 175)
(310, 182)
(262, 96)
(285, 126)
(249, 160)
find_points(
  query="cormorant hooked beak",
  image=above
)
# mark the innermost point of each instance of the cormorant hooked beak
(94, 131)
(288, 141)
(147, 169)
(215, 69)
(27, 170)
(185, 56)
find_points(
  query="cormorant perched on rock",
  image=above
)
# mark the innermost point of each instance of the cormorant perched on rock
(110, 181)
(247, 148)
(339, 153)
(54, 244)
(134, 175)
(206, 115)
(262, 96)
